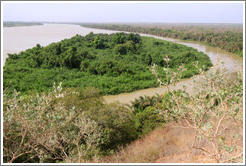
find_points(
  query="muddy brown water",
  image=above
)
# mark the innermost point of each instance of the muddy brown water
(17, 39)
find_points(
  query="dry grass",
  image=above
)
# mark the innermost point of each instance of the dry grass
(167, 144)
(165, 141)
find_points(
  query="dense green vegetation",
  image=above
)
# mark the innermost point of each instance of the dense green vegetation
(19, 23)
(225, 36)
(113, 63)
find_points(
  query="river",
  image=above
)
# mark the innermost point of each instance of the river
(16, 39)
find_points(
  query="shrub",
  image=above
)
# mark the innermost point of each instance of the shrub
(148, 119)
(212, 112)
(72, 125)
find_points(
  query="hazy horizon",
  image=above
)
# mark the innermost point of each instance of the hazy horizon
(58, 22)
(201, 13)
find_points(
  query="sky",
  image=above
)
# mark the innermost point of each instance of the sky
(124, 12)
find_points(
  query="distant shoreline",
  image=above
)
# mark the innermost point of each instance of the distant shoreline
(20, 24)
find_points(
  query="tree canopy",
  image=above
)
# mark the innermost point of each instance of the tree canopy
(113, 63)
